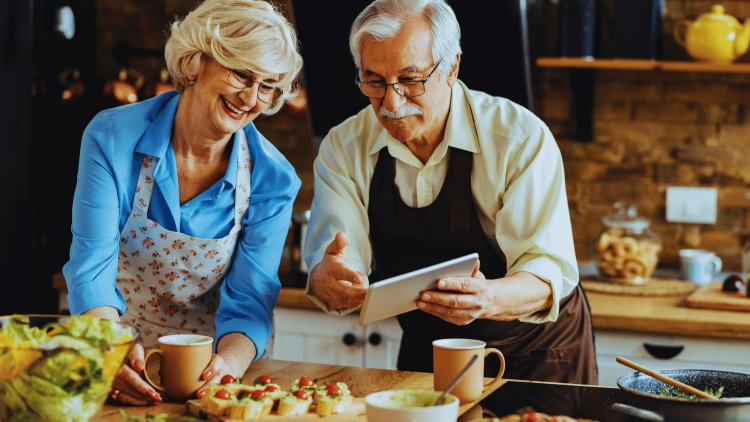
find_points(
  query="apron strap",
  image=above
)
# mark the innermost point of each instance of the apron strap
(242, 191)
(460, 190)
(145, 186)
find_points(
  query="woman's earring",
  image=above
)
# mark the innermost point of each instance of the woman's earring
(191, 82)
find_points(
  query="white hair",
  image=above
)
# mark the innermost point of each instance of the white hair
(382, 19)
(239, 34)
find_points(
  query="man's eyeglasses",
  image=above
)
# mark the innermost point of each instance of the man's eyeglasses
(407, 88)
(266, 93)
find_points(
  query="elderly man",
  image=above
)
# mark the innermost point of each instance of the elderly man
(433, 171)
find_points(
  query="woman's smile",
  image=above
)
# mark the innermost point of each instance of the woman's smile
(232, 111)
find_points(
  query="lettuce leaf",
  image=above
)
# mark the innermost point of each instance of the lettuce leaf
(61, 372)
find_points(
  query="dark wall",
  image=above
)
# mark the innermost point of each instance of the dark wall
(15, 86)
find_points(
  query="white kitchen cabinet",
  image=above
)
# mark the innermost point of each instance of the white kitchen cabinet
(313, 336)
(657, 351)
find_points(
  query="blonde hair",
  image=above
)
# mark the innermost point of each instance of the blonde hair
(239, 34)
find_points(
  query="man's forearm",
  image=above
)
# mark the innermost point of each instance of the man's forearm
(518, 296)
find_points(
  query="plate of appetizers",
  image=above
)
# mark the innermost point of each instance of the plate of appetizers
(304, 400)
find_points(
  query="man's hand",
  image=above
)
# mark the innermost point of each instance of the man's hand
(333, 282)
(459, 300)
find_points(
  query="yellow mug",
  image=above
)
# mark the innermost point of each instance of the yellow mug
(450, 355)
(183, 359)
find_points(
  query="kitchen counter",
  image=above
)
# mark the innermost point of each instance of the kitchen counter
(580, 401)
(660, 315)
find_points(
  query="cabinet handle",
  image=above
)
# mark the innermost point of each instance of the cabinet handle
(661, 351)
(349, 339)
(375, 339)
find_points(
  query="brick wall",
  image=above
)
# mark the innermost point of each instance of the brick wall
(653, 130)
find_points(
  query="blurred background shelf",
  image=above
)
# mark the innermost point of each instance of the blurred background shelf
(636, 64)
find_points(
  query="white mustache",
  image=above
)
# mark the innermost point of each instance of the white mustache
(405, 110)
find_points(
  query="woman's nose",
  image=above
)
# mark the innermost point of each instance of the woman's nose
(249, 95)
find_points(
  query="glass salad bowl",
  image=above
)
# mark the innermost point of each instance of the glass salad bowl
(59, 368)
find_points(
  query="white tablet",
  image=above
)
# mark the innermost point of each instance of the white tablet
(397, 295)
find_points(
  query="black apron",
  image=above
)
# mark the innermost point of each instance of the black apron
(405, 239)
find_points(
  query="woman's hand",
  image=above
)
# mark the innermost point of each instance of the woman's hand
(216, 370)
(129, 387)
(235, 353)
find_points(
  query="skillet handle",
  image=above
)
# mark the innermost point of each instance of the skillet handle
(637, 412)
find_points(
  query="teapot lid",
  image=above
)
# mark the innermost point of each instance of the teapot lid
(717, 14)
(626, 216)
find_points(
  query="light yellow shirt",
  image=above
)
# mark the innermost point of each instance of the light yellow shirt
(517, 181)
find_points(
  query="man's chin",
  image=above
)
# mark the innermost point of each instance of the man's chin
(400, 129)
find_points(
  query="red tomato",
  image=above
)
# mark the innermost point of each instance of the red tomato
(227, 379)
(333, 390)
(271, 389)
(305, 382)
(223, 394)
(534, 417)
(301, 394)
(264, 379)
(258, 394)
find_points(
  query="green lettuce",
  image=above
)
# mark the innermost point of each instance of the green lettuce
(68, 375)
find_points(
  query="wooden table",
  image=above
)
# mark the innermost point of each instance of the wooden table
(362, 381)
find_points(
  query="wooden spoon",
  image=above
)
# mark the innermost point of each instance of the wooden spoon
(665, 379)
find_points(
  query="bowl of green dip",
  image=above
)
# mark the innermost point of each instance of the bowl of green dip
(410, 405)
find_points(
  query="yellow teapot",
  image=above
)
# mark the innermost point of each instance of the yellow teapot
(714, 37)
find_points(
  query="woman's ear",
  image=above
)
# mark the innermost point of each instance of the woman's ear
(192, 66)
(453, 75)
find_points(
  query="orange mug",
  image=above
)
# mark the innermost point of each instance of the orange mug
(183, 359)
(450, 355)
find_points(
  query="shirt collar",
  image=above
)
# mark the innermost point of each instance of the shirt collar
(155, 139)
(460, 118)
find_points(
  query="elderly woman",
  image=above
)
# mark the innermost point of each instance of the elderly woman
(182, 206)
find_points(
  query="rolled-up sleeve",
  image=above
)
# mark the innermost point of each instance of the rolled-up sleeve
(338, 205)
(534, 226)
(91, 272)
(251, 288)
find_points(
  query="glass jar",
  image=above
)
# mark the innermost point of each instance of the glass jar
(627, 250)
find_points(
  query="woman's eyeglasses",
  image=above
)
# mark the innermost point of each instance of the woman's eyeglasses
(266, 93)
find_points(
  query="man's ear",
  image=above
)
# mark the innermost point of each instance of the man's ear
(453, 75)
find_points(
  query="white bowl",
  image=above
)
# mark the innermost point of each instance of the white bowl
(410, 406)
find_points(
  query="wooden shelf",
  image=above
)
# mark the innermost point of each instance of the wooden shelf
(643, 65)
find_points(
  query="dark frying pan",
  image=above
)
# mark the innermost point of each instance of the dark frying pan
(645, 394)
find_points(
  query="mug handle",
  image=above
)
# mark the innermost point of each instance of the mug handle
(494, 383)
(716, 264)
(159, 388)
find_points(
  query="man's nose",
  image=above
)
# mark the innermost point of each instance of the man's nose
(392, 100)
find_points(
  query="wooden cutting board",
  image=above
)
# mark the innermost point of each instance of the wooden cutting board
(355, 413)
(710, 296)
